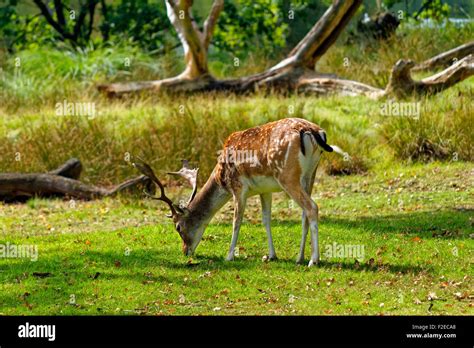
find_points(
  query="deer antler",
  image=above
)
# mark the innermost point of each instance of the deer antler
(146, 170)
(190, 175)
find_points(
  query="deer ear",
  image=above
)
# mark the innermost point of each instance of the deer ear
(190, 175)
(179, 211)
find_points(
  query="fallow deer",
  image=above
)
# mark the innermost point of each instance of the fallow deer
(284, 156)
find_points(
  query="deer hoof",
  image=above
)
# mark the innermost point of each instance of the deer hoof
(300, 261)
(267, 258)
(313, 263)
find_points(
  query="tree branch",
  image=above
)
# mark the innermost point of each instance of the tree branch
(446, 58)
(105, 28)
(58, 5)
(324, 32)
(92, 5)
(49, 18)
(79, 23)
(211, 21)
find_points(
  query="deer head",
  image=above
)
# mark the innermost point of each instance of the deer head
(189, 232)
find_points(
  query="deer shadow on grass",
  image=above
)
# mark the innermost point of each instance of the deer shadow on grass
(204, 262)
(368, 266)
(290, 264)
(445, 224)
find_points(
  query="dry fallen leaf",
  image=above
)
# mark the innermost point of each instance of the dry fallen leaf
(432, 296)
(444, 284)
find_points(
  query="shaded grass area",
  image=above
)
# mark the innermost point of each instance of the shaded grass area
(417, 256)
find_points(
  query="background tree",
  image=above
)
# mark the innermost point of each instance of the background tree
(143, 22)
(72, 25)
(295, 72)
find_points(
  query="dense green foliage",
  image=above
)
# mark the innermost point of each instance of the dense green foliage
(266, 26)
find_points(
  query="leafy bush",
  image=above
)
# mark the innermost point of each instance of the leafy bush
(143, 22)
(19, 30)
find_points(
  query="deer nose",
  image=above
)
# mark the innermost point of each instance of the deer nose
(187, 250)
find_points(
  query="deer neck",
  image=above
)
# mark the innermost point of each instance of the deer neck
(207, 202)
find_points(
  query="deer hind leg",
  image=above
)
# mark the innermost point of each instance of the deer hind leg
(239, 207)
(266, 200)
(297, 192)
(308, 187)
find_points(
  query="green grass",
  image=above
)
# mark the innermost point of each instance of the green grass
(414, 251)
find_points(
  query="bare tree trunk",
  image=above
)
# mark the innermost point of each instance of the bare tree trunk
(296, 72)
(61, 182)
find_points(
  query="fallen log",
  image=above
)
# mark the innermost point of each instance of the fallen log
(445, 59)
(62, 182)
(401, 84)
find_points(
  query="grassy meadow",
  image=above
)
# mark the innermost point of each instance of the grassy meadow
(406, 194)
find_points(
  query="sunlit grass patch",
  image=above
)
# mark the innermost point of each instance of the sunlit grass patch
(122, 257)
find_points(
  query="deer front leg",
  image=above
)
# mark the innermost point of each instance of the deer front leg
(239, 207)
(266, 200)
